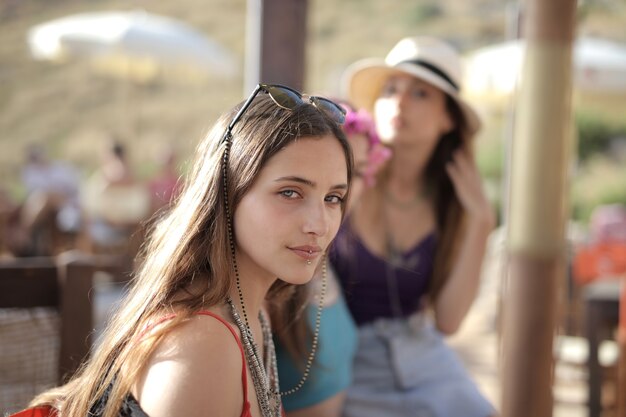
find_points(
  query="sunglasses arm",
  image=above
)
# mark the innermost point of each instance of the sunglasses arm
(242, 110)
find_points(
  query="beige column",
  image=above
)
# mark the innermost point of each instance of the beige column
(538, 207)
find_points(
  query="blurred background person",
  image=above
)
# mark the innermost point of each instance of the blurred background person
(116, 204)
(165, 184)
(51, 205)
(13, 237)
(115, 168)
(409, 256)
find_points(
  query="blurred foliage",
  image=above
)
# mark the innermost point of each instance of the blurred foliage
(600, 180)
(490, 156)
(601, 175)
(595, 133)
(423, 11)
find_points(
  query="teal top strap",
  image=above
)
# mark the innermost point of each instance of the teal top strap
(331, 371)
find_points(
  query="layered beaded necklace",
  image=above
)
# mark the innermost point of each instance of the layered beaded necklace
(264, 373)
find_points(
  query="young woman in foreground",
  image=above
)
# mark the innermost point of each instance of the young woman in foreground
(264, 201)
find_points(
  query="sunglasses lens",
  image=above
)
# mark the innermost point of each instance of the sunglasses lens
(284, 97)
(330, 108)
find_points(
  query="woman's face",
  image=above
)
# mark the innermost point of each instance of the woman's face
(359, 143)
(287, 219)
(410, 111)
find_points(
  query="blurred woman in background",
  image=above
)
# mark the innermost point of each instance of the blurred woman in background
(409, 256)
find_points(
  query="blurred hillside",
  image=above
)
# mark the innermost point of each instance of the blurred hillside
(72, 110)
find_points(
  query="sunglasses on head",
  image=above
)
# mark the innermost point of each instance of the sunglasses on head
(288, 99)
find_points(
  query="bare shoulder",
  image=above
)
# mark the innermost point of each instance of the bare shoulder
(194, 371)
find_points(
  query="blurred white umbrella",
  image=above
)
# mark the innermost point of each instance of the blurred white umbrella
(135, 45)
(492, 72)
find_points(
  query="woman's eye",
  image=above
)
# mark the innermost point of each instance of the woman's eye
(334, 199)
(289, 193)
(419, 93)
(388, 90)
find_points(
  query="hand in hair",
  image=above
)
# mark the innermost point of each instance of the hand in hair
(467, 182)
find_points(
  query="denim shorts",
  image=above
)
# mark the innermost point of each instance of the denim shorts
(403, 367)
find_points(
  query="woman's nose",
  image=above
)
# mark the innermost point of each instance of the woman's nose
(401, 97)
(316, 219)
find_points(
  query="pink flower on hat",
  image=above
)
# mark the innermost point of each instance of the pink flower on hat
(378, 155)
(360, 122)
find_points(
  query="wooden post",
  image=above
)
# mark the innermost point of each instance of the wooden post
(276, 37)
(537, 209)
(621, 364)
(76, 316)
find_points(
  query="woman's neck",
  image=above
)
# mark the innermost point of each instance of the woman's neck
(254, 288)
(405, 175)
(406, 167)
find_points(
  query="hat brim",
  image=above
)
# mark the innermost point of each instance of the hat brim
(363, 81)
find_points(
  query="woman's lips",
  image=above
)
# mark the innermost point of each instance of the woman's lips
(306, 252)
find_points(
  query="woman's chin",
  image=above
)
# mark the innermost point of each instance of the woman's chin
(300, 277)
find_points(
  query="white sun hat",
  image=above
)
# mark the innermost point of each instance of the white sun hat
(426, 58)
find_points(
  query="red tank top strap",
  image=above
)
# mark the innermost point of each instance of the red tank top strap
(244, 376)
(41, 411)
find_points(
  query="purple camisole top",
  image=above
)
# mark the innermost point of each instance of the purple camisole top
(375, 287)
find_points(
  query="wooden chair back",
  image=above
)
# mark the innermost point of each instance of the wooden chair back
(64, 283)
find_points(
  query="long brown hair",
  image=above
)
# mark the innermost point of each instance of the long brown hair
(189, 245)
(448, 210)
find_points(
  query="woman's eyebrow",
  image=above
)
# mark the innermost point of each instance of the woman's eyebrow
(297, 179)
(339, 187)
(310, 183)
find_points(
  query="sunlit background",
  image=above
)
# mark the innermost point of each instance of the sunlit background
(72, 108)
(72, 102)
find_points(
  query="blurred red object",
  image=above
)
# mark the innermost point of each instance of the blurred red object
(605, 255)
(45, 411)
(601, 260)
